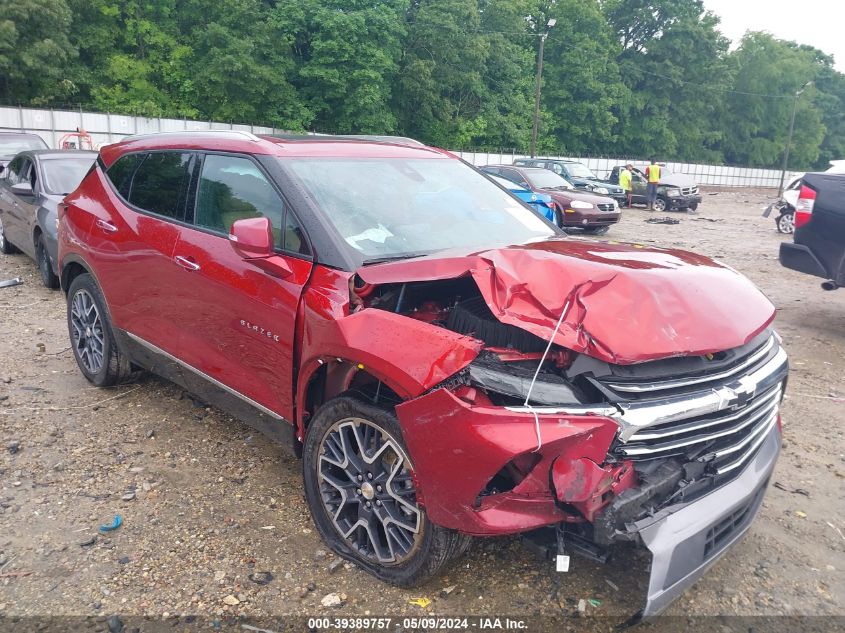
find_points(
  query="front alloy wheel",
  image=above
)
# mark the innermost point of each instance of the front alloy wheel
(362, 493)
(368, 492)
(660, 204)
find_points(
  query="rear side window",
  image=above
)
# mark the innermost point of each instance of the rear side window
(121, 171)
(232, 188)
(160, 184)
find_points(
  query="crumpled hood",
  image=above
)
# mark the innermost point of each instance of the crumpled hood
(622, 303)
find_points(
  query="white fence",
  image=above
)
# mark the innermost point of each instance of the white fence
(104, 128)
(712, 175)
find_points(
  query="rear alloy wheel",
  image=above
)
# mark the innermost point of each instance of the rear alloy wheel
(360, 489)
(48, 277)
(660, 204)
(91, 336)
(6, 247)
(786, 223)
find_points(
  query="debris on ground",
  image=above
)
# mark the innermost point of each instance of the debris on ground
(8, 283)
(261, 577)
(800, 514)
(110, 527)
(595, 602)
(13, 447)
(795, 491)
(231, 600)
(333, 600)
(664, 220)
(582, 606)
(88, 542)
(447, 590)
(420, 602)
(612, 584)
(335, 565)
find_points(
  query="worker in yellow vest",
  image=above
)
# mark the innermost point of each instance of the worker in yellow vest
(626, 181)
(652, 174)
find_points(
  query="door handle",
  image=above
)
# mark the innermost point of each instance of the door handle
(186, 263)
(106, 226)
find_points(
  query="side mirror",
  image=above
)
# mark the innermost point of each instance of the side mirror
(22, 189)
(252, 238)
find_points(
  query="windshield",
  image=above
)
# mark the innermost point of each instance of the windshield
(9, 146)
(577, 170)
(63, 175)
(389, 208)
(545, 179)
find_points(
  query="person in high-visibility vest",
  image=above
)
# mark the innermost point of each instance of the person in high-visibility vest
(652, 174)
(626, 181)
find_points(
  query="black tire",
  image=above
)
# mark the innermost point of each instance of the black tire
(597, 230)
(6, 247)
(341, 425)
(91, 336)
(693, 207)
(661, 204)
(45, 268)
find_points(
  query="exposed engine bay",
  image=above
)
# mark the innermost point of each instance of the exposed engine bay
(676, 442)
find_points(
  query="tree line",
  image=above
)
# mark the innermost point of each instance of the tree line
(621, 77)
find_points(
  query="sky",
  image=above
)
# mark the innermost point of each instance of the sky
(814, 22)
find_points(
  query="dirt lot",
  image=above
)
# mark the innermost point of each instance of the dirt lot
(206, 503)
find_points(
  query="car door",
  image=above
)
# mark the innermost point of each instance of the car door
(26, 207)
(14, 212)
(237, 322)
(639, 186)
(131, 242)
(8, 177)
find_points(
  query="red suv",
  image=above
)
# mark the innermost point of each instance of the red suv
(447, 363)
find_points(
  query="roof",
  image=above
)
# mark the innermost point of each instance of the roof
(519, 167)
(60, 153)
(282, 145)
(556, 160)
(19, 133)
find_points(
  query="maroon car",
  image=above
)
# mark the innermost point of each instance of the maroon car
(447, 363)
(577, 208)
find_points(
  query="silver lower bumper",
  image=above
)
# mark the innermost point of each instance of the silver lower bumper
(686, 542)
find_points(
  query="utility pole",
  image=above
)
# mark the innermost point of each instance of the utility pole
(536, 128)
(789, 138)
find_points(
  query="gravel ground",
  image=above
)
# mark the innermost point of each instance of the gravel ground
(209, 507)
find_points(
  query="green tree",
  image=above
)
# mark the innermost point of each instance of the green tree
(346, 54)
(767, 73)
(34, 50)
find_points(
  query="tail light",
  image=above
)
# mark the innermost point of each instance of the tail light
(804, 206)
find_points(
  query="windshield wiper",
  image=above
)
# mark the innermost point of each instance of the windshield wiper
(393, 258)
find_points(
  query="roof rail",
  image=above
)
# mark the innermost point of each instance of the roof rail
(220, 133)
(378, 138)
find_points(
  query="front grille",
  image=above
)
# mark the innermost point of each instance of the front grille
(606, 207)
(689, 191)
(718, 418)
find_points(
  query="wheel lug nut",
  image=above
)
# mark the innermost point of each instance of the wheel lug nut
(378, 488)
(360, 478)
(369, 475)
(357, 491)
(369, 504)
(378, 503)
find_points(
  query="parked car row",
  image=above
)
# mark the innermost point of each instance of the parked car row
(446, 361)
(32, 184)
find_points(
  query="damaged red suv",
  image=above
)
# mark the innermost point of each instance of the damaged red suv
(447, 363)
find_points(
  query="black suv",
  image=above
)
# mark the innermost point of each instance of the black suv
(819, 247)
(578, 174)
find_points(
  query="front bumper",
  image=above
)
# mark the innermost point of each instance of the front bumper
(686, 542)
(683, 202)
(799, 257)
(590, 218)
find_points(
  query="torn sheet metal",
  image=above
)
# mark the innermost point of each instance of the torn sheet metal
(628, 303)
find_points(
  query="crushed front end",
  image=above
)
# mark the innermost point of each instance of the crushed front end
(574, 419)
(672, 455)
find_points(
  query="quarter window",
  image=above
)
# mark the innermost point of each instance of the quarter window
(161, 183)
(121, 171)
(13, 171)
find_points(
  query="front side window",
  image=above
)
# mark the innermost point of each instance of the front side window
(399, 207)
(579, 170)
(160, 184)
(545, 179)
(13, 171)
(231, 189)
